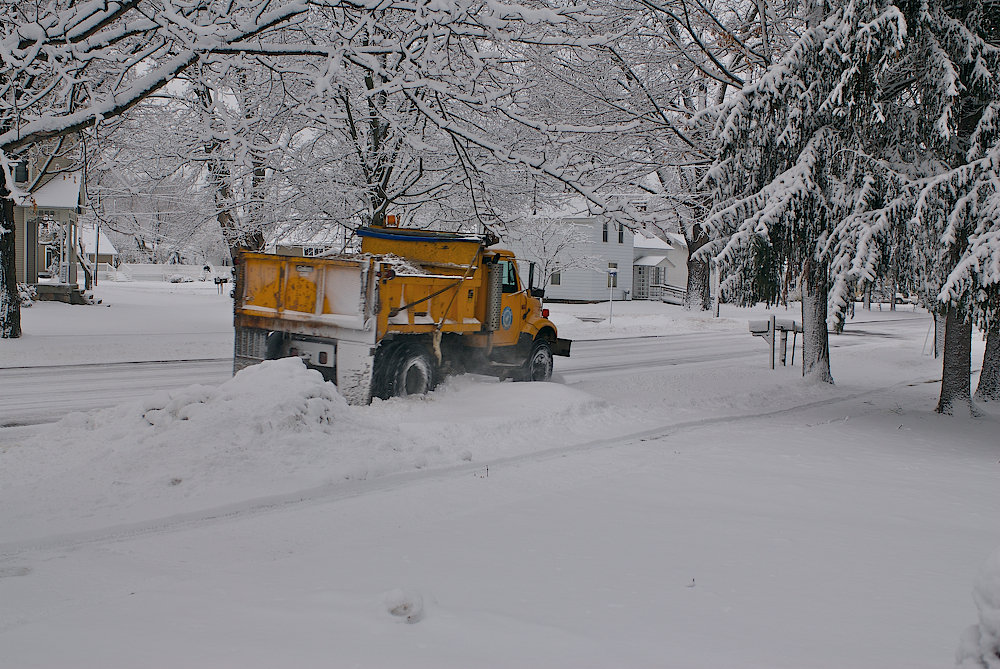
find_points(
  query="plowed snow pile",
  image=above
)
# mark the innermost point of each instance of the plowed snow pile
(273, 428)
(980, 645)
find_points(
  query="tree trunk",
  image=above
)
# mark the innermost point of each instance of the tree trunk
(989, 379)
(221, 179)
(939, 328)
(10, 301)
(956, 370)
(699, 287)
(815, 338)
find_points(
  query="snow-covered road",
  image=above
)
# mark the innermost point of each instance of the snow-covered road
(671, 503)
(40, 394)
(31, 395)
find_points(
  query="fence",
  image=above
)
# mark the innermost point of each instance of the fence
(161, 272)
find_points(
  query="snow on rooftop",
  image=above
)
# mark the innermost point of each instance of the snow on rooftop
(89, 237)
(647, 240)
(308, 233)
(676, 240)
(61, 192)
(653, 261)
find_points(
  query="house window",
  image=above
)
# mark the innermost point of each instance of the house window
(555, 279)
(621, 233)
(604, 234)
(21, 172)
(311, 251)
(612, 277)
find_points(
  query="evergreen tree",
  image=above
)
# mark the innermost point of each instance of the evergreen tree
(793, 149)
(937, 175)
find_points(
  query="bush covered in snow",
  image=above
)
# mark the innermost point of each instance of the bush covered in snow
(180, 278)
(980, 645)
(26, 294)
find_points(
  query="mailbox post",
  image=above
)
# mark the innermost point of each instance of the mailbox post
(612, 274)
(767, 329)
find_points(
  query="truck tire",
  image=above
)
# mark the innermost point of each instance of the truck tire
(383, 371)
(415, 372)
(402, 369)
(538, 366)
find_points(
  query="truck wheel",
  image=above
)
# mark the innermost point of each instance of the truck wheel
(383, 372)
(538, 367)
(415, 372)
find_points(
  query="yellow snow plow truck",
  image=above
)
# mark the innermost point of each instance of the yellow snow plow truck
(391, 321)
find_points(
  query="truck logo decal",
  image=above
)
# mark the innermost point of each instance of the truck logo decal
(506, 318)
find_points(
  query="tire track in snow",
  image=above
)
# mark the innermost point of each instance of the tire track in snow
(44, 394)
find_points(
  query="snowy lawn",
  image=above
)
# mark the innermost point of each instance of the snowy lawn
(138, 320)
(708, 515)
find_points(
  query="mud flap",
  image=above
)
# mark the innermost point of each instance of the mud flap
(561, 347)
(354, 371)
(249, 347)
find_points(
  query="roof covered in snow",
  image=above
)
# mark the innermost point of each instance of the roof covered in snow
(653, 261)
(562, 206)
(60, 192)
(309, 233)
(89, 237)
(676, 240)
(647, 240)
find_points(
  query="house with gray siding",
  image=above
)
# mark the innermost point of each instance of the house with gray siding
(576, 250)
(46, 232)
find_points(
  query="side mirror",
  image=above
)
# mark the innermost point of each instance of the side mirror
(538, 292)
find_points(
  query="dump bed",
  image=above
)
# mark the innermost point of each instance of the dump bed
(328, 297)
(356, 298)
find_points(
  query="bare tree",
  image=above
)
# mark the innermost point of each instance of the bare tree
(553, 245)
(67, 67)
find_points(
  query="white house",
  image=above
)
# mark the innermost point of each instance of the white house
(581, 248)
(591, 258)
(307, 239)
(659, 265)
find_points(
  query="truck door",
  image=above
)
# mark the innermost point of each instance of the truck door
(512, 305)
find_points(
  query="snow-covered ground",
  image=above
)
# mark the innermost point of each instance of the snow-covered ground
(708, 514)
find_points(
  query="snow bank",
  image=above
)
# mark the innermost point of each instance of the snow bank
(980, 645)
(274, 428)
(267, 422)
